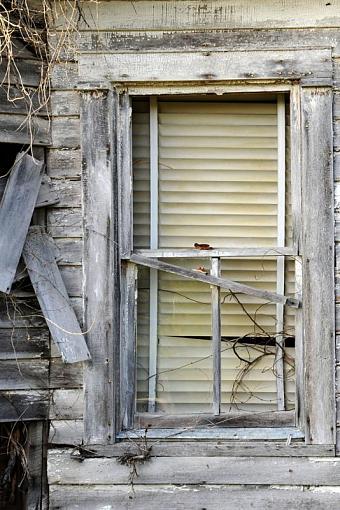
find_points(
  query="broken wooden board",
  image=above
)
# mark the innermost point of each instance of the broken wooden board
(47, 195)
(49, 287)
(224, 283)
(16, 209)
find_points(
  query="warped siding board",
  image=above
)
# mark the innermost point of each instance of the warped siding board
(53, 297)
(20, 343)
(63, 163)
(193, 14)
(16, 209)
(24, 405)
(65, 132)
(65, 222)
(15, 129)
(66, 405)
(64, 76)
(196, 470)
(65, 103)
(70, 432)
(199, 497)
(156, 40)
(202, 66)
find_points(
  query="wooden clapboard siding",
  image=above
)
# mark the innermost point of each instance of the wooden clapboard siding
(171, 496)
(146, 27)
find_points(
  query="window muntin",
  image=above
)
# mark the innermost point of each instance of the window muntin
(234, 204)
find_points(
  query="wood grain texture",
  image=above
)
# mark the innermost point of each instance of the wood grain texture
(196, 470)
(65, 222)
(65, 132)
(66, 432)
(65, 103)
(26, 71)
(63, 163)
(21, 343)
(52, 295)
(37, 491)
(199, 497)
(318, 265)
(24, 405)
(209, 65)
(213, 280)
(100, 262)
(216, 39)
(15, 129)
(192, 14)
(16, 209)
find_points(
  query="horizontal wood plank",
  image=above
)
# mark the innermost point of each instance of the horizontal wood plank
(64, 76)
(223, 39)
(199, 497)
(196, 470)
(21, 343)
(66, 404)
(66, 432)
(15, 128)
(224, 252)
(65, 132)
(65, 222)
(203, 66)
(26, 72)
(63, 163)
(192, 14)
(64, 103)
(24, 405)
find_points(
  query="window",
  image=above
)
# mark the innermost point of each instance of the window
(212, 171)
(304, 78)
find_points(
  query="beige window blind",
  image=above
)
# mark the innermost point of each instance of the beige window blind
(218, 184)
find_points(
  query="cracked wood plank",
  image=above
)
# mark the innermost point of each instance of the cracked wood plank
(224, 283)
(16, 209)
(39, 256)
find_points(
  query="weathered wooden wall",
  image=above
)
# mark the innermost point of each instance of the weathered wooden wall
(141, 28)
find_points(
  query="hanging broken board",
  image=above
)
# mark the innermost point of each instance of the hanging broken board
(39, 257)
(16, 209)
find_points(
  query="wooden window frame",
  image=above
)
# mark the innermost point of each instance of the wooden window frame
(312, 187)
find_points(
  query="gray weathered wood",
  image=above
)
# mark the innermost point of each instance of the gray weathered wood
(39, 374)
(101, 315)
(318, 265)
(211, 448)
(70, 251)
(65, 132)
(37, 491)
(21, 343)
(191, 14)
(197, 497)
(216, 335)
(70, 432)
(16, 211)
(47, 195)
(222, 39)
(26, 72)
(65, 103)
(64, 163)
(64, 76)
(69, 192)
(15, 128)
(211, 432)
(53, 298)
(232, 419)
(128, 326)
(24, 405)
(65, 222)
(202, 66)
(66, 404)
(214, 280)
(196, 470)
